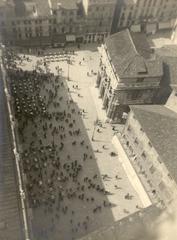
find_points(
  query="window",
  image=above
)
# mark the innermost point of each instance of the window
(150, 145)
(63, 30)
(70, 29)
(136, 94)
(139, 80)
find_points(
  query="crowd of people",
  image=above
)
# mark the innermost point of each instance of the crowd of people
(55, 153)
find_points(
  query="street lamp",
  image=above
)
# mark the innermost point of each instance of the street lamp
(68, 61)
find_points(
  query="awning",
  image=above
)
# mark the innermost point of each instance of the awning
(151, 28)
(70, 38)
(165, 25)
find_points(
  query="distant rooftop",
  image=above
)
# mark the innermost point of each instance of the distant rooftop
(66, 4)
(4, 3)
(32, 8)
(134, 227)
(160, 125)
(131, 55)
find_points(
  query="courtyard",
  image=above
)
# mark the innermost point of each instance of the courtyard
(75, 185)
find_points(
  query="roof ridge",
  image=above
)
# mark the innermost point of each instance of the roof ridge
(132, 41)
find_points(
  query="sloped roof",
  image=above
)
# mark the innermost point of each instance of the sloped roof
(131, 55)
(160, 125)
(133, 227)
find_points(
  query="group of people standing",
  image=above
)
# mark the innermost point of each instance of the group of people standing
(55, 155)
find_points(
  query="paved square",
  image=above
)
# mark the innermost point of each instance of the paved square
(74, 185)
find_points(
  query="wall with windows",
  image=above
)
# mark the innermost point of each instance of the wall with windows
(146, 158)
(144, 11)
(99, 16)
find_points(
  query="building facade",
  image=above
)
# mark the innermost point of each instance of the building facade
(27, 21)
(129, 73)
(42, 22)
(99, 16)
(68, 19)
(144, 15)
(152, 150)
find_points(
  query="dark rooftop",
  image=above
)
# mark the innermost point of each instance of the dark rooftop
(66, 4)
(24, 8)
(134, 227)
(131, 55)
(10, 217)
(168, 55)
(160, 125)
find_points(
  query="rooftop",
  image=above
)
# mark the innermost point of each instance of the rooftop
(131, 55)
(134, 227)
(160, 125)
(168, 55)
(32, 8)
(66, 4)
